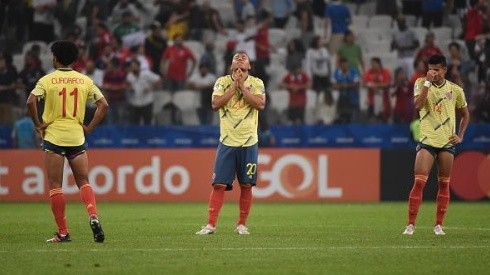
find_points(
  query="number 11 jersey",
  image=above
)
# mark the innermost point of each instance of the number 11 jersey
(65, 93)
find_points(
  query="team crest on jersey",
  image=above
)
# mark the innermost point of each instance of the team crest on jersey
(449, 95)
(217, 87)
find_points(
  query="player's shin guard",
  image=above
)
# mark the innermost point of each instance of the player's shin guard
(88, 198)
(215, 203)
(415, 197)
(443, 195)
(58, 205)
(245, 203)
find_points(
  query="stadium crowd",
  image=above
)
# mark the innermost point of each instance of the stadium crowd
(321, 61)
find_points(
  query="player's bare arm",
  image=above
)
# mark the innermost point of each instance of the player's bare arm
(463, 124)
(219, 101)
(32, 110)
(256, 101)
(100, 112)
(420, 100)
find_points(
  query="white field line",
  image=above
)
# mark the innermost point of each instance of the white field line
(415, 247)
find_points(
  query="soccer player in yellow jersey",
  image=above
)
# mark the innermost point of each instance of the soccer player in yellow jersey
(239, 97)
(437, 101)
(65, 93)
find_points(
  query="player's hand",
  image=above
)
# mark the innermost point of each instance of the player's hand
(41, 129)
(431, 75)
(455, 139)
(87, 130)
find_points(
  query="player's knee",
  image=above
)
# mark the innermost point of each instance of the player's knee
(219, 187)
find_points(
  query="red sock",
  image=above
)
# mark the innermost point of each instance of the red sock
(442, 199)
(58, 208)
(415, 197)
(88, 198)
(215, 202)
(245, 203)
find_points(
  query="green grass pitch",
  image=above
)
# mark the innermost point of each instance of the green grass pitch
(296, 238)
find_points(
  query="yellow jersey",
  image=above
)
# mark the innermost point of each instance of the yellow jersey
(438, 115)
(65, 93)
(238, 119)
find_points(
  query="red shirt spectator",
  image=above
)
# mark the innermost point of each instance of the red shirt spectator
(403, 111)
(378, 80)
(429, 48)
(297, 82)
(176, 57)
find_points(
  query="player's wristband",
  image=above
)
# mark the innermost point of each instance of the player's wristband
(427, 83)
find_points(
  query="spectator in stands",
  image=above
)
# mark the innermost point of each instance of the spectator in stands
(432, 13)
(473, 23)
(281, 10)
(304, 14)
(482, 54)
(126, 26)
(412, 7)
(30, 74)
(351, 51)
(326, 110)
(337, 18)
(96, 11)
(208, 57)
(458, 68)
(262, 48)
(123, 7)
(429, 48)
(105, 58)
(346, 80)
(178, 21)
(97, 75)
(378, 80)
(317, 65)
(420, 71)
(384, 7)
(203, 81)
(24, 134)
(212, 19)
(138, 53)
(81, 62)
(297, 82)
(8, 83)
(114, 85)
(174, 64)
(295, 54)
(405, 43)
(142, 84)
(404, 109)
(155, 45)
(247, 12)
(104, 38)
(66, 13)
(195, 21)
(245, 40)
(43, 20)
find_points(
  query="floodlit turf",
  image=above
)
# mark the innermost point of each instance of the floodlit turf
(285, 239)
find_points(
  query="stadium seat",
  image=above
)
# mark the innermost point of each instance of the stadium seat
(311, 102)
(377, 46)
(359, 21)
(367, 8)
(277, 37)
(279, 102)
(443, 33)
(352, 8)
(380, 21)
(411, 20)
(188, 101)
(160, 98)
(420, 32)
(196, 47)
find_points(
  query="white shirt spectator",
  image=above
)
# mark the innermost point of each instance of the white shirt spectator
(199, 80)
(317, 62)
(141, 93)
(245, 42)
(44, 16)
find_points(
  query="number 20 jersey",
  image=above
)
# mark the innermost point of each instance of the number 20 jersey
(65, 93)
(238, 119)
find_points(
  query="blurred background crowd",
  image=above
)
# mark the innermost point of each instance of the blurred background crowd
(323, 62)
